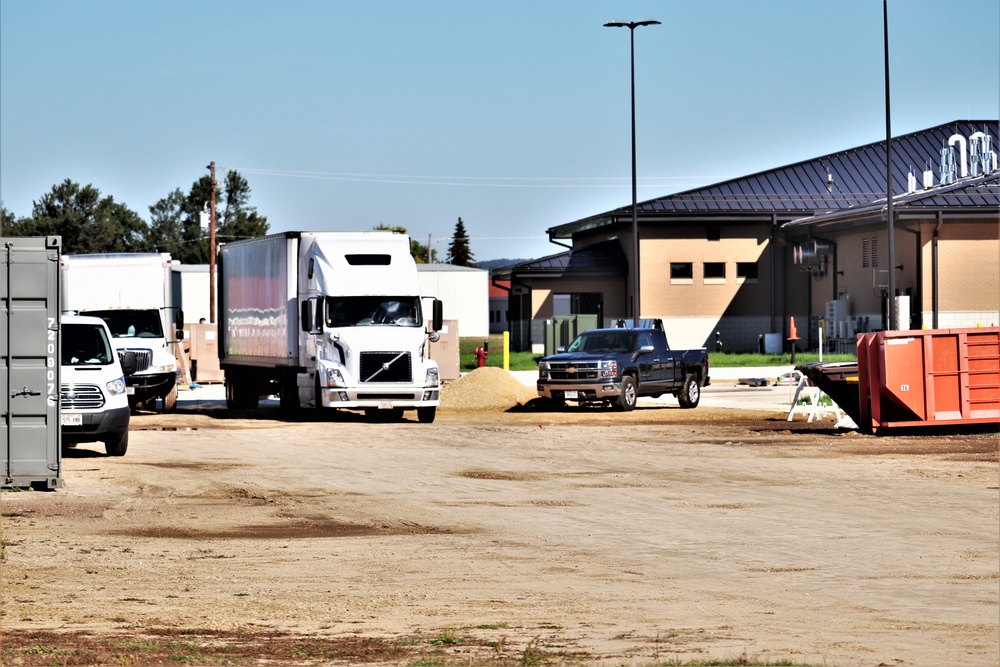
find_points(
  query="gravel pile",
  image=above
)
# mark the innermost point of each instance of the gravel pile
(488, 389)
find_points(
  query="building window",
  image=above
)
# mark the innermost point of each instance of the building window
(714, 234)
(681, 273)
(715, 273)
(746, 272)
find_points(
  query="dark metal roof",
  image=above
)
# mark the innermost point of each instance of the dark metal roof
(967, 198)
(801, 189)
(605, 258)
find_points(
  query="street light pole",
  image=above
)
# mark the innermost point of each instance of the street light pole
(893, 316)
(632, 25)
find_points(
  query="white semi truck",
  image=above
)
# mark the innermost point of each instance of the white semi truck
(328, 320)
(132, 293)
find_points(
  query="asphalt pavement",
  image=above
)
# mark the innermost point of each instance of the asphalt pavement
(742, 388)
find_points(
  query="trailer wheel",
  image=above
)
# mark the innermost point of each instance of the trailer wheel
(690, 393)
(629, 396)
(426, 415)
(170, 400)
(118, 446)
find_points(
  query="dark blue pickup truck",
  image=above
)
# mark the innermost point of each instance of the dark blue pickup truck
(614, 367)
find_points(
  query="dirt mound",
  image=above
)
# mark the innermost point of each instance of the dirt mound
(485, 389)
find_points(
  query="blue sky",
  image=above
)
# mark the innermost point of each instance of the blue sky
(511, 115)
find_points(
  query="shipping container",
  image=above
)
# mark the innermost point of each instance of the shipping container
(30, 433)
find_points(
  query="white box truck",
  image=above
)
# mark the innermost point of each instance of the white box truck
(93, 402)
(329, 320)
(132, 293)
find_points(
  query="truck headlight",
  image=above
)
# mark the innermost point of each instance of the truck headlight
(116, 387)
(167, 368)
(609, 369)
(334, 378)
(433, 377)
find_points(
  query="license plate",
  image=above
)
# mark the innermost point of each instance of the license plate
(385, 405)
(72, 419)
(570, 395)
(130, 391)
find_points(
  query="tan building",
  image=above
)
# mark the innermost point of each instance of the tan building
(735, 261)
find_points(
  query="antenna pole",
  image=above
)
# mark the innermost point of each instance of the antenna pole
(888, 175)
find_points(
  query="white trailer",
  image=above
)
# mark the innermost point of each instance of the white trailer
(132, 293)
(329, 320)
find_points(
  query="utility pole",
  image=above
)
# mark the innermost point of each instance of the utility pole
(429, 253)
(211, 253)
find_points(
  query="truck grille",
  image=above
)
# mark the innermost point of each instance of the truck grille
(386, 367)
(581, 371)
(143, 357)
(80, 396)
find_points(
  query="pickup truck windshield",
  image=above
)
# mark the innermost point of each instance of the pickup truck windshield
(603, 342)
(365, 311)
(131, 323)
(85, 345)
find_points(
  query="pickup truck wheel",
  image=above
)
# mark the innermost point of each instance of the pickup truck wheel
(426, 415)
(629, 395)
(690, 393)
(117, 446)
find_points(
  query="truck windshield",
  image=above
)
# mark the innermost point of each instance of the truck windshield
(85, 345)
(131, 323)
(364, 311)
(603, 342)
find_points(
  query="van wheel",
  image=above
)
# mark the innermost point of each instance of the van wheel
(426, 415)
(690, 393)
(629, 396)
(117, 446)
(170, 400)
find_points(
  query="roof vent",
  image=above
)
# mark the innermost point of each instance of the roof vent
(947, 165)
(962, 164)
(982, 159)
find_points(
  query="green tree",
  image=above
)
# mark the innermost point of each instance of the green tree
(418, 250)
(459, 252)
(239, 219)
(166, 229)
(87, 222)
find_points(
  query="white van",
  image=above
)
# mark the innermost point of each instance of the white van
(92, 399)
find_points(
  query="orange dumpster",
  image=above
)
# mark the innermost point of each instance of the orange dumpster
(929, 377)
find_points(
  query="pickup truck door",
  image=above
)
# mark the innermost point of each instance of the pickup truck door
(666, 368)
(650, 363)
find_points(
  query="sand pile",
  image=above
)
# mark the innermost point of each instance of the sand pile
(488, 389)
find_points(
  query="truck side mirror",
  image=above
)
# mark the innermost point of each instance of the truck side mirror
(437, 319)
(307, 315)
(128, 363)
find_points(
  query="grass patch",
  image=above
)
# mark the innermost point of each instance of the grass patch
(740, 360)
(528, 361)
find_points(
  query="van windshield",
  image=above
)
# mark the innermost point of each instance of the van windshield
(366, 311)
(85, 345)
(131, 323)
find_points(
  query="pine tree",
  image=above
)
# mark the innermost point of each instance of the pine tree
(459, 253)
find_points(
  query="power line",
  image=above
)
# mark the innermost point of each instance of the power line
(478, 181)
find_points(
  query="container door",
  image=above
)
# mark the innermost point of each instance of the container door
(30, 435)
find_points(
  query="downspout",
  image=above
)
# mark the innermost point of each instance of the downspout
(935, 268)
(917, 291)
(774, 277)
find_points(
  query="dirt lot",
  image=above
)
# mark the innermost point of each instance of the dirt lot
(529, 537)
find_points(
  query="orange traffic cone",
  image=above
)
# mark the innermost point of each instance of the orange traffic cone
(793, 334)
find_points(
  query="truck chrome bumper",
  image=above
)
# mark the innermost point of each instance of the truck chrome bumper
(354, 397)
(585, 391)
(143, 387)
